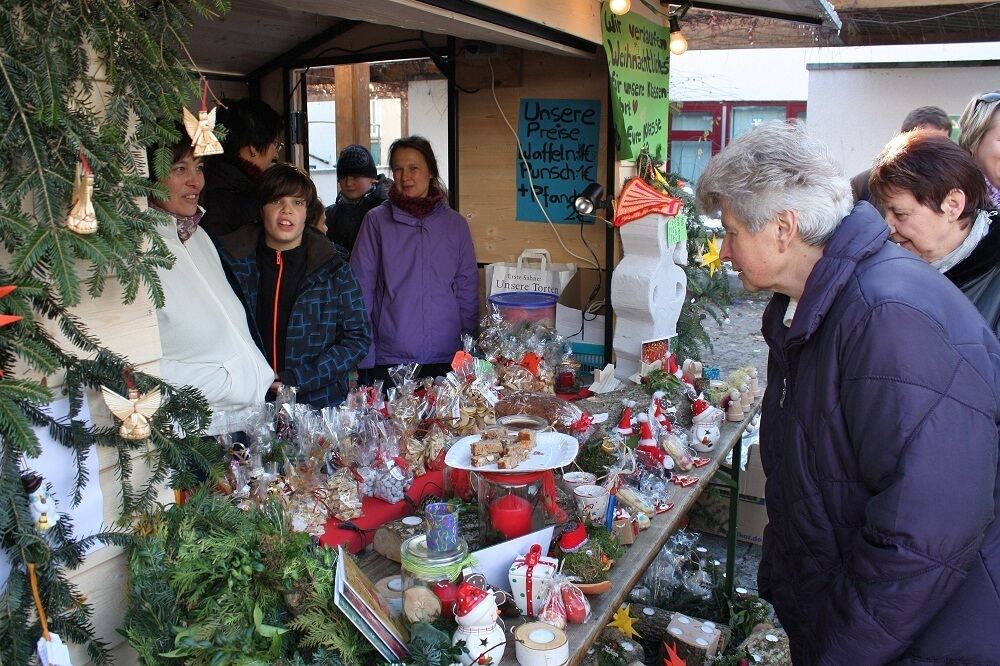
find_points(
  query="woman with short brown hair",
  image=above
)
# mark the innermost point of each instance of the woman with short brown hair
(936, 207)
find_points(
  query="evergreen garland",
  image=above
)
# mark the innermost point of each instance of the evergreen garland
(51, 113)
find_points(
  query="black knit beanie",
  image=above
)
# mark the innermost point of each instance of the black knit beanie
(355, 160)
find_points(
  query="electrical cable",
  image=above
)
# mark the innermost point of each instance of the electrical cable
(527, 167)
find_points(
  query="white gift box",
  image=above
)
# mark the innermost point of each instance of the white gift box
(529, 578)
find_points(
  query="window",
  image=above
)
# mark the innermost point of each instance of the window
(699, 130)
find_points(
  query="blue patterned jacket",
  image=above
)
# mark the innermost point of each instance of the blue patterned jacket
(328, 331)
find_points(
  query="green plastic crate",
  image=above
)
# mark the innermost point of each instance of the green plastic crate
(590, 356)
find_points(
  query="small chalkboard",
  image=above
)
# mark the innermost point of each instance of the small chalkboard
(559, 138)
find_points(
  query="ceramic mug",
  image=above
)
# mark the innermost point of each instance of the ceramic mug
(574, 480)
(592, 502)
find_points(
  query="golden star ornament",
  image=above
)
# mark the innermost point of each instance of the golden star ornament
(711, 258)
(624, 622)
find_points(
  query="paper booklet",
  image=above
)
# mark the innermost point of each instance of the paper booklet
(356, 596)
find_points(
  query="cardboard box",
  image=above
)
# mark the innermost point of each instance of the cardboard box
(711, 514)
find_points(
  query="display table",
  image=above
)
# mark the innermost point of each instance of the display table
(630, 567)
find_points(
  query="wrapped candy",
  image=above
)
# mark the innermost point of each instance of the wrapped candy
(341, 496)
(387, 480)
(565, 603)
(564, 416)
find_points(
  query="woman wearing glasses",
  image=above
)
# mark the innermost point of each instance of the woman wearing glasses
(979, 133)
(252, 144)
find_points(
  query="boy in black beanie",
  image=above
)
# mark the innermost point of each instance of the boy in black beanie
(360, 191)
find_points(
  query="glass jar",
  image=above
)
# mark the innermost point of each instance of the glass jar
(568, 375)
(429, 575)
(510, 506)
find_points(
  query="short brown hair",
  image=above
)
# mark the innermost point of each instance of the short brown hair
(285, 180)
(928, 166)
(927, 115)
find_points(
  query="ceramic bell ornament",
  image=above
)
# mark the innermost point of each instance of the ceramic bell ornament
(734, 410)
(40, 503)
(476, 612)
(705, 422)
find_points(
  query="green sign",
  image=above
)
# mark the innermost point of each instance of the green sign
(677, 229)
(639, 66)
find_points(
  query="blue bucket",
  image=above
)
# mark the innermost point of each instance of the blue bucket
(520, 307)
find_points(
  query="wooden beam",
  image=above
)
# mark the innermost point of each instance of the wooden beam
(353, 105)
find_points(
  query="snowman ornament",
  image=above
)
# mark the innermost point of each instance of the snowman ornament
(40, 503)
(476, 612)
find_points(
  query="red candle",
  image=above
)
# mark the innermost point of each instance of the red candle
(446, 592)
(511, 516)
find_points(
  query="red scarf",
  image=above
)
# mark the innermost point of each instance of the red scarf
(418, 207)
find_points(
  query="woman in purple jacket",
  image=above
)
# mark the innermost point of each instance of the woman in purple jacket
(417, 268)
(879, 429)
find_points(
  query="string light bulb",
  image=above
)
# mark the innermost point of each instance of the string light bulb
(619, 7)
(678, 42)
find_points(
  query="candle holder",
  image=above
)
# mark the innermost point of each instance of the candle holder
(510, 506)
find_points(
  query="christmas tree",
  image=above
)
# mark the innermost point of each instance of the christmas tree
(84, 89)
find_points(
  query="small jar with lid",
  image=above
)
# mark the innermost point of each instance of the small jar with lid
(430, 578)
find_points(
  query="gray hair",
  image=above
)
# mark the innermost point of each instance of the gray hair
(778, 167)
(975, 122)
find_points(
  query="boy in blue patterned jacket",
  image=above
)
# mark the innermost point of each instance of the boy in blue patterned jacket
(298, 290)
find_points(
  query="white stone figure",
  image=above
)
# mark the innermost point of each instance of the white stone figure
(648, 289)
(705, 429)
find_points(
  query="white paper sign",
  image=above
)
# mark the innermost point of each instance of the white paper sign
(494, 562)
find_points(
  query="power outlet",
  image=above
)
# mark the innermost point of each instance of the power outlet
(477, 49)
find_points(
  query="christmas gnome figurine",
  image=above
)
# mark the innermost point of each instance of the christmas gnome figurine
(734, 410)
(645, 432)
(624, 426)
(658, 413)
(476, 612)
(41, 504)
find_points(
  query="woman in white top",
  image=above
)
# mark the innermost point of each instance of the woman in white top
(204, 334)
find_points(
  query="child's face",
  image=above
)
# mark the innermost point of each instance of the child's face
(285, 221)
(354, 187)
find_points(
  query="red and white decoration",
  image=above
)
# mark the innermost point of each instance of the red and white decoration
(529, 578)
(476, 612)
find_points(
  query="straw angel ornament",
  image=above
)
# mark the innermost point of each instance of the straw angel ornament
(202, 132)
(202, 129)
(134, 411)
(82, 219)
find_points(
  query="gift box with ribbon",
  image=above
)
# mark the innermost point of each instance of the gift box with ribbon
(529, 578)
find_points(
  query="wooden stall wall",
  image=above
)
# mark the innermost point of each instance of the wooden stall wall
(488, 157)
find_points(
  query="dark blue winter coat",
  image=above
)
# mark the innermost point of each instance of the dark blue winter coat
(879, 440)
(328, 331)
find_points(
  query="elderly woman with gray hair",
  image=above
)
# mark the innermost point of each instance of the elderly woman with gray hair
(979, 133)
(879, 435)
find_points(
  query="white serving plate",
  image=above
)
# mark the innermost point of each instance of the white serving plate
(553, 450)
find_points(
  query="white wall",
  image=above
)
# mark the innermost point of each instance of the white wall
(759, 75)
(856, 111)
(428, 117)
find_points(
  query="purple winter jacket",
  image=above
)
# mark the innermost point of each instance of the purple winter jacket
(420, 284)
(879, 440)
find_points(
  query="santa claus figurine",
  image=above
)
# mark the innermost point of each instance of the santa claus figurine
(657, 411)
(476, 612)
(647, 443)
(624, 426)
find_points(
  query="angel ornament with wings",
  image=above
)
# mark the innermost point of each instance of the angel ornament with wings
(202, 132)
(134, 411)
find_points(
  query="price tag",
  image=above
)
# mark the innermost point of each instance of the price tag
(53, 652)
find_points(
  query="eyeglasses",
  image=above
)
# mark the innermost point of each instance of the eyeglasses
(279, 146)
(989, 98)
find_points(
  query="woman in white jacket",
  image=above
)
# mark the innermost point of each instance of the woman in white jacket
(204, 334)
